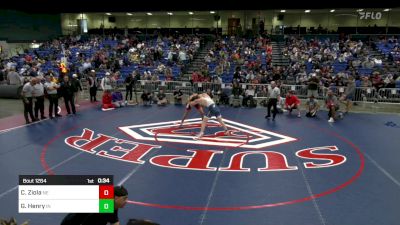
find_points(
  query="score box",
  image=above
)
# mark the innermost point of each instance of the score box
(106, 198)
(65, 194)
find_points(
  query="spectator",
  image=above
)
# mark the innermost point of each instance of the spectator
(13, 78)
(312, 87)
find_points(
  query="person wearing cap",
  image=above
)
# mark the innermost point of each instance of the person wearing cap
(292, 102)
(76, 83)
(120, 200)
(93, 86)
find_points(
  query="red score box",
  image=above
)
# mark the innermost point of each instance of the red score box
(106, 191)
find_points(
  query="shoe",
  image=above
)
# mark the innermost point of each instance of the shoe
(299, 116)
(200, 135)
(313, 114)
(273, 118)
(331, 120)
(58, 115)
(51, 117)
(267, 116)
(43, 118)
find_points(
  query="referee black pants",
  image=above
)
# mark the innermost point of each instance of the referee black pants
(272, 102)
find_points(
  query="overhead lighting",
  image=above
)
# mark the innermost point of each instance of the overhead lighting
(149, 14)
(307, 11)
(212, 12)
(170, 13)
(386, 10)
(332, 10)
(191, 13)
(360, 10)
(108, 14)
(129, 14)
(282, 11)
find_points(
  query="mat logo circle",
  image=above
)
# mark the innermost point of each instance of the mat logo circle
(247, 139)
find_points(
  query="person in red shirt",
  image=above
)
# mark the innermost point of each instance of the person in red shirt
(107, 101)
(195, 77)
(292, 102)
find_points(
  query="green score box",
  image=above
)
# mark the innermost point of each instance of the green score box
(106, 205)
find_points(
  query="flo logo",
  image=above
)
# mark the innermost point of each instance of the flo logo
(240, 135)
(370, 15)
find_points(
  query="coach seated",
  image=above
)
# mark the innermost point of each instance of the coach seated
(146, 98)
(178, 95)
(236, 97)
(162, 98)
(292, 102)
(248, 99)
(117, 99)
(107, 101)
(224, 94)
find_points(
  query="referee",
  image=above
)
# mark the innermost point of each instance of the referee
(273, 96)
